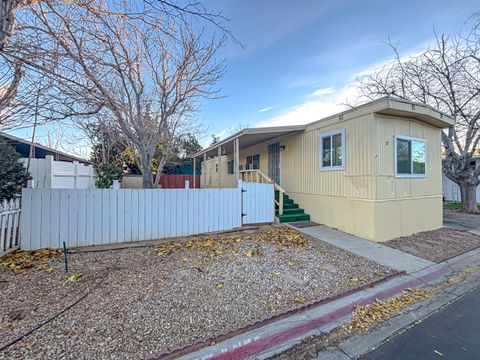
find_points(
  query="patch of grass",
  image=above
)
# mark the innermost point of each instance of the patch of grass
(454, 205)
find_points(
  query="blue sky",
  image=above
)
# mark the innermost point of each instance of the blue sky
(300, 57)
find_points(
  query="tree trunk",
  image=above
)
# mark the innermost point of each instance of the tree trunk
(147, 177)
(468, 192)
(161, 165)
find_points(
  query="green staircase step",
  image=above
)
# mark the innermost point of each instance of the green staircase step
(288, 206)
(294, 217)
(291, 211)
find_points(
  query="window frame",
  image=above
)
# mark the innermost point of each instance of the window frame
(320, 147)
(247, 163)
(230, 166)
(410, 139)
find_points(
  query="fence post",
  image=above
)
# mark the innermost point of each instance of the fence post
(75, 174)
(48, 172)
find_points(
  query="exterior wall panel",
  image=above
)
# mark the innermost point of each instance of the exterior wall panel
(300, 161)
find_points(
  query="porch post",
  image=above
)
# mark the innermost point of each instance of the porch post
(219, 165)
(237, 158)
(194, 172)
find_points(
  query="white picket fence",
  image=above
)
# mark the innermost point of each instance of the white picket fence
(9, 225)
(104, 216)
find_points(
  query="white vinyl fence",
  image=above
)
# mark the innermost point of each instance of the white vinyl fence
(106, 216)
(451, 191)
(52, 174)
(257, 203)
(9, 224)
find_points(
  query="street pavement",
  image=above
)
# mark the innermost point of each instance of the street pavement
(451, 333)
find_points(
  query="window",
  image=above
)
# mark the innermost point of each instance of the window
(332, 150)
(230, 167)
(253, 162)
(216, 168)
(410, 157)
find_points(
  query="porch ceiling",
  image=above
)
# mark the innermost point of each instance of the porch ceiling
(248, 137)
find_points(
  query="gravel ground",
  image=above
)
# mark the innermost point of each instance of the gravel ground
(436, 245)
(146, 303)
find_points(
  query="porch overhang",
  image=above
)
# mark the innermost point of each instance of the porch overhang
(248, 137)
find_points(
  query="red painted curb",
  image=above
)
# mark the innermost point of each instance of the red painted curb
(278, 338)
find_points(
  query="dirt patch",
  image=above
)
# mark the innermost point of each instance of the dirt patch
(156, 298)
(436, 245)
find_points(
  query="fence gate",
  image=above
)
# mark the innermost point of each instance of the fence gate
(9, 225)
(258, 204)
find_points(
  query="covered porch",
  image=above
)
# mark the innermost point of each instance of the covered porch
(252, 155)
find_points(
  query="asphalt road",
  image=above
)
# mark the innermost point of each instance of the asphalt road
(452, 333)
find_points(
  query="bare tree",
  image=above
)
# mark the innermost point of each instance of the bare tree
(26, 46)
(148, 72)
(447, 77)
(7, 20)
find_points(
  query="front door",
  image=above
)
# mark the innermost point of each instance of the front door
(274, 162)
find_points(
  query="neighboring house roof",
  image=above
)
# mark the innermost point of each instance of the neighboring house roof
(384, 106)
(23, 147)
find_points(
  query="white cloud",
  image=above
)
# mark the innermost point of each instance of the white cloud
(323, 91)
(267, 109)
(330, 103)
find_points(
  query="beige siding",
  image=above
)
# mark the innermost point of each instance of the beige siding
(300, 161)
(209, 176)
(390, 187)
(364, 199)
(261, 149)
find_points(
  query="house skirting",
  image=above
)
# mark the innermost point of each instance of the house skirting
(377, 220)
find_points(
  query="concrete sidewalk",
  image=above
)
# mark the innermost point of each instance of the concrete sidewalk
(274, 338)
(457, 220)
(377, 252)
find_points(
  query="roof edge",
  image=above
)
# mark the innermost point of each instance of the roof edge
(245, 131)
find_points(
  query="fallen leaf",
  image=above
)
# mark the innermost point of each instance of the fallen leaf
(219, 285)
(30, 344)
(75, 277)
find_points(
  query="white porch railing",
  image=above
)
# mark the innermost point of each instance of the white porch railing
(9, 226)
(255, 175)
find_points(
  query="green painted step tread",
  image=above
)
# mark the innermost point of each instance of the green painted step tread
(288, 206)
(292, 211)
(294, 217)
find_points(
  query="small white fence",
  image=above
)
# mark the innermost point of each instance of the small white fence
(105, 216)
(451, 191)
(9, 224)
(52, 174)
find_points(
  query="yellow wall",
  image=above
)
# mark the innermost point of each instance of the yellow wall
(364, 199)
(300, 161)
(209, 176)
